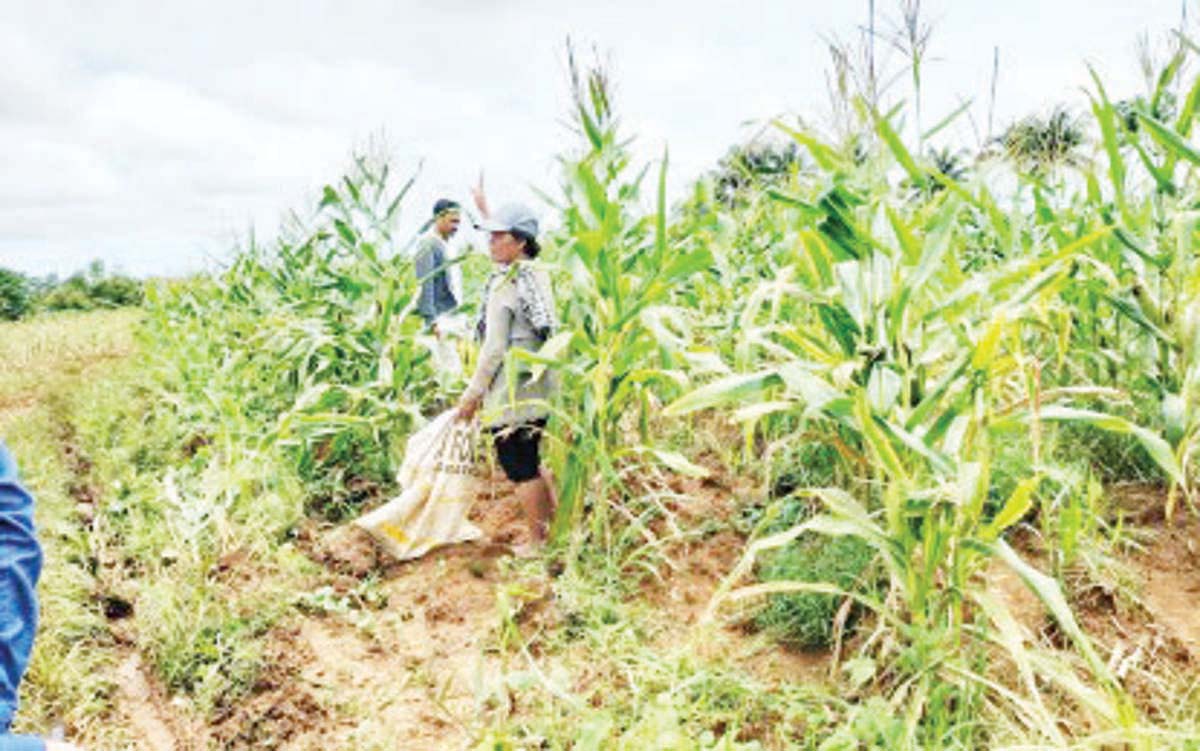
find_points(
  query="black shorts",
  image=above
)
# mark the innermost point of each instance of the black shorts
(517, 449)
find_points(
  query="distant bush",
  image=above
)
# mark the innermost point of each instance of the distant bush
(67, 296)
(93, 288)
(117, 291)
(14, 295)
(90, 289)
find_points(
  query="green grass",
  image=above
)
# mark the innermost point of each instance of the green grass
(808, 621)
(35, 355)
(69, 682)
(84, 426)
(169, 521)
(616, 673)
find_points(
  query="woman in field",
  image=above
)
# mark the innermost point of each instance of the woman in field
(517, 313)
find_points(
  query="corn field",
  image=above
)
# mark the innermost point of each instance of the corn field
(947, 362)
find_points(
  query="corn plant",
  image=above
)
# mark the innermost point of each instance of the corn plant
(873, 328)
(308, 345)
(623, 331)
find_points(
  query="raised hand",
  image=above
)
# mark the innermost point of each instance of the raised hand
(480, 196)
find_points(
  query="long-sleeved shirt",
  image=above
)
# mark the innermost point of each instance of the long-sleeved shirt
(20, 566)
(508, 328)
(436, 296)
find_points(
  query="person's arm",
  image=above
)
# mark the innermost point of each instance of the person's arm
(491, 354)
(20, 566)
(480, 197)
(21, 743)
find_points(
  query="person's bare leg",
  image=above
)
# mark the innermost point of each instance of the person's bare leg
(537, 500)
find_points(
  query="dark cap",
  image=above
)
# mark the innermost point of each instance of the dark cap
(442, 205)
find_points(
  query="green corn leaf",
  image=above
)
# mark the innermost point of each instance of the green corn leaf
(1162, 178)
(1107, 118)
(800, 380)
(660, 215)
(904, 235)
(878, 440)
(806, 209)
(685, 264)
(346, 232)
(1048, 591)
(755, 412)
(1169, 139)
(1154, 444)
(898, 149)
(734, 389)
(839, 227)
(1166, 77)
(1135, 314)
(838, 321)
(938, 241)
(1129, 241)
(1013, 510)
(1187, 115)
(939, 461)
(329, 197)
(948, 119)
(826, 157)
(352, 189)
(930, 402)
(985, 351)
(390, 213)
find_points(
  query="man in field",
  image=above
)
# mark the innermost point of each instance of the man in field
(20, 566)
(437, 300)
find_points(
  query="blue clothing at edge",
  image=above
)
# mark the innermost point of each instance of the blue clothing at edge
(20, 566)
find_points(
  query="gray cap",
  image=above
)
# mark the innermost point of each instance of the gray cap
(512, 217)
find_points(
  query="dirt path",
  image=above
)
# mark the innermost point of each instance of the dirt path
(423, 672)
(415, 678)
(1170, 570)
(1176, 606)
(142, 707)
(424, 675)
(410, 675)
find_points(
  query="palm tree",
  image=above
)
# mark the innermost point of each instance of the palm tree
(1038, 146)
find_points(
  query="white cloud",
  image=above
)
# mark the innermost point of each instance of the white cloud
(152, 133)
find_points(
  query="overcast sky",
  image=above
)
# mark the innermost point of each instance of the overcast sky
(154, 134)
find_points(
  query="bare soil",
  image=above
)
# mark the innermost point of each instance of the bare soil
(153, 722)
(1168, 567)
(409, 676)
(1145, 615)
(282, 707)
(141, 705)
(423, 672)
(702, 561)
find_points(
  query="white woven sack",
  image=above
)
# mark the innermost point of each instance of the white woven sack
(439, 479)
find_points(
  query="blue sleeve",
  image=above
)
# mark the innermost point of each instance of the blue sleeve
(429, 259)
(21, 743)
(20, 566)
